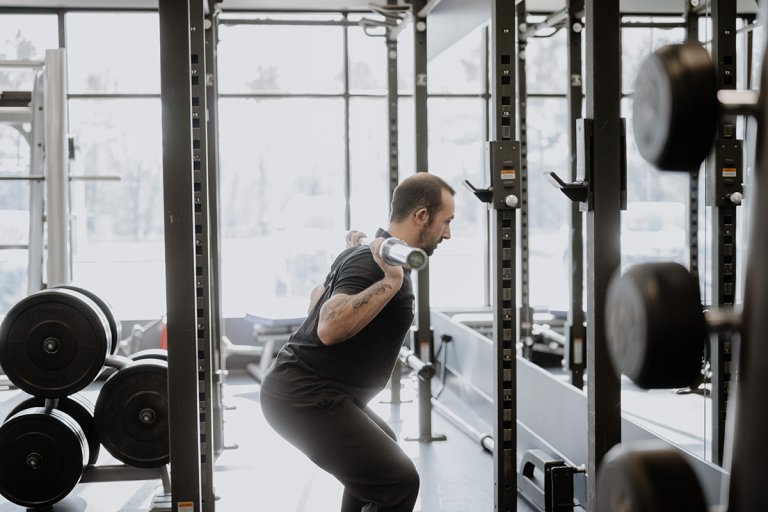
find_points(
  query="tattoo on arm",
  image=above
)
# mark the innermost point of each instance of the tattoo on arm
(370, 292)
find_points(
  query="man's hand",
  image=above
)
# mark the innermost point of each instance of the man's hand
(353, 238)
(394, 272)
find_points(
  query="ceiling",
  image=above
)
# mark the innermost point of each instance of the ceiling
(634, 6)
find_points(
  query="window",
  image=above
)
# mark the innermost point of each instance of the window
(114, 116)
(24, 38)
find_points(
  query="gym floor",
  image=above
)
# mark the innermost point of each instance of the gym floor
(264, 473)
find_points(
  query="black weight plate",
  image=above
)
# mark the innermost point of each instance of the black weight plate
(43, 455)
(132, 414)
(649, 478)
(115, 327)
(159, 354)
(53, 343)
(79, 409)
(655, 325)
(675, 107)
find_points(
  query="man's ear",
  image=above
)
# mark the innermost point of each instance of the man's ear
(421, 216)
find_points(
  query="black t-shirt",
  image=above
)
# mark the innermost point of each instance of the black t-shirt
(360, 365)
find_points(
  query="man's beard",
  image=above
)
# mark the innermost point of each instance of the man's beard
(428, 246)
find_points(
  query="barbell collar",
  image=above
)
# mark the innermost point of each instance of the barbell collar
(738, 102)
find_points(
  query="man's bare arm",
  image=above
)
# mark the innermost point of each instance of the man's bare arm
(343, 316)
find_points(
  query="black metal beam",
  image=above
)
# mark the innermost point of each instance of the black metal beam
(214, 244)
(750, 443)
(575, 348)
(424, 343)
(692, 34)
(724, 178)
(603, 95)
(504, 159)
(178, 205)
(526, 312)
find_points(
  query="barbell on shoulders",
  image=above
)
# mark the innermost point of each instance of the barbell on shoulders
(396, 252)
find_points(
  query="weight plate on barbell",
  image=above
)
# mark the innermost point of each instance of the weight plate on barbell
(675, 108)
(43, 454)
(79, 409)
(53, 343)
(115, 327)
(655, 325)
(132, 414)
(651, 477)
(159, 354)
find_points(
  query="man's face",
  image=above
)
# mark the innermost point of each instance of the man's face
(439, 226)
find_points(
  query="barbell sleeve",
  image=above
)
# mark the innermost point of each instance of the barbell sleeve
(396, 252)
(424, 370)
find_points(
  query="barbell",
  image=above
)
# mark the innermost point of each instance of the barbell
(396, 252)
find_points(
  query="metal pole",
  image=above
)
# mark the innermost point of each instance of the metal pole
(575, 348)
(603, 143)
(179, 165)
(424, 344)
(724, 177)
(35, 243)
(59, 258)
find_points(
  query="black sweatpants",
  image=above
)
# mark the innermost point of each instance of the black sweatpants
(353, 444)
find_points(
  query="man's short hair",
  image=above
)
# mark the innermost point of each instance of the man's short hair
(420, 190)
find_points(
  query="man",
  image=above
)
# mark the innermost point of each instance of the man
(315, 394)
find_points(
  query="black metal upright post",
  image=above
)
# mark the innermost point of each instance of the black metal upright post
(692, 34)
(179, 157)
(526, 311)
(723, 191)
(504, 159)
(203, 268)
(393, 156)
(747, 487)
(216, 323)
(603, 143)
(575, 348)
(424, 344)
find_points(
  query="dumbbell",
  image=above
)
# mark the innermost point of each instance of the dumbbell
(54, 342)
(676, 106)
(648, 477)
(115, 327)
(131, 414)
(79, 409)
(396, 252)
(656, 326)
(43, 452)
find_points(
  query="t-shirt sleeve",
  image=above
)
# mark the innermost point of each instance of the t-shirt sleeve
(357, 273)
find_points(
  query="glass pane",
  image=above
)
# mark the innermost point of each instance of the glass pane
(367, 63)
(117, 226)
(459, 69)
(548, 208)
(282, 201)
(105, 54)
(14, 151)
(369, 164)
(25, 37)
(457, 153)
(654, 226)
(546, 64)
(637, 44)
(281, 59)
(14, 217)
